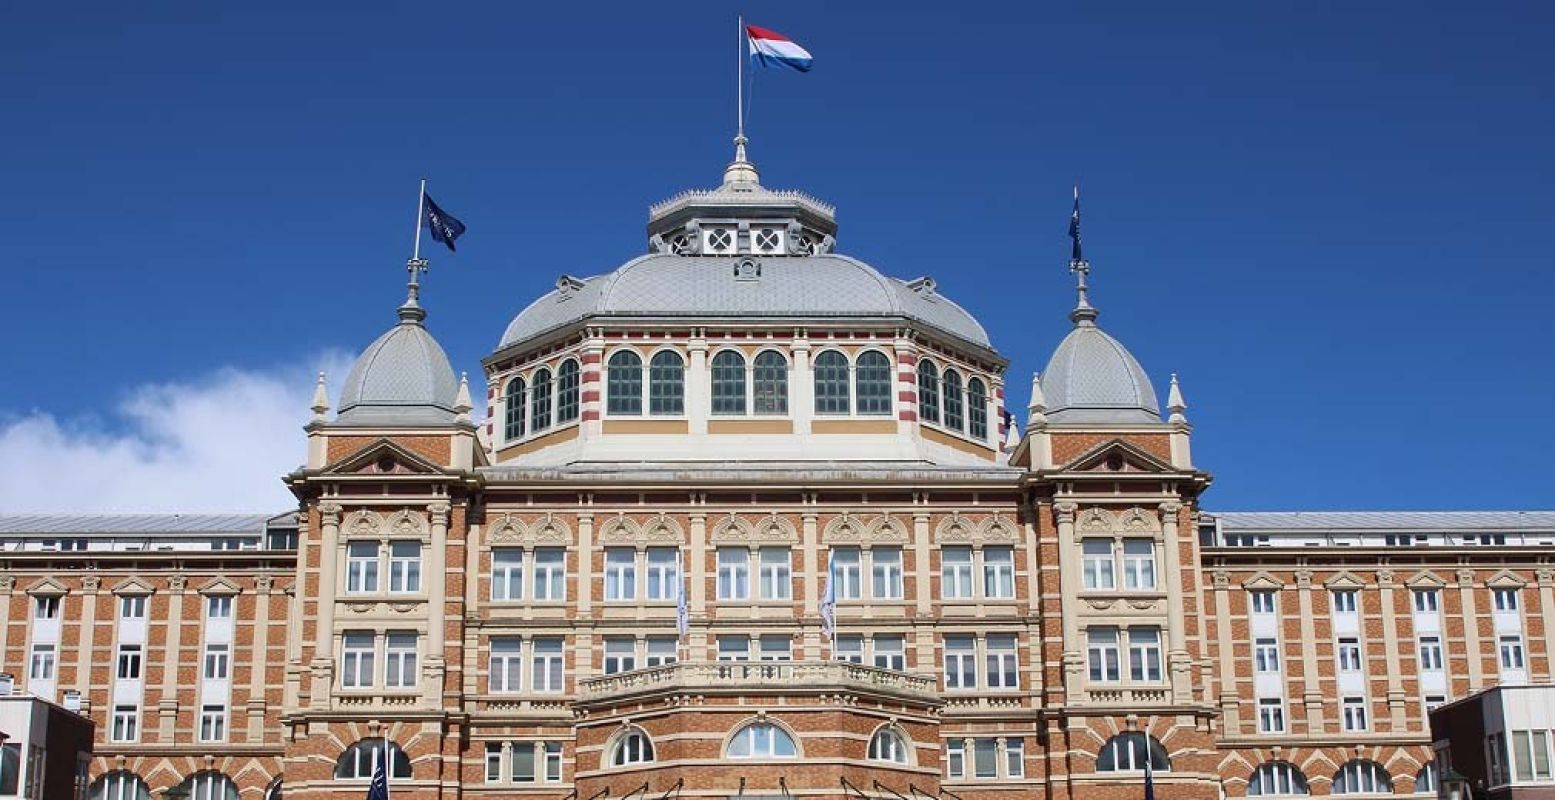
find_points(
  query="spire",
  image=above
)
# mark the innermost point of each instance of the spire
(411, 311)
(320, 405)
(1174, 403)
(462, 404)
(741, 171)
(1036, 412)
(1083, 313)
(1011, 434)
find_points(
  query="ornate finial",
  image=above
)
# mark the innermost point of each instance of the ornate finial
(320, 405)
(1083, 313)
(1036, 412)
(462, 405)
(412, 311)
(1011, 433)
(1174, 403)
(741, 170)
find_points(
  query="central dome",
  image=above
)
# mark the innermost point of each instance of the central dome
(1092, 377)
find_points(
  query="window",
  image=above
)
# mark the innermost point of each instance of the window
(845, 574)
(553, 761)
(405, 567)
(506, 666)
(762, 740)
(633, 747)
(960, 662)
(399, 656)
(985, 758)
(1354, 713)
(1362, 777)
(41, 668)
(928, 392)
(550, 573)
(1512, 652)
(663, 573)
(620, 573)
(1344, 601)
(734, 647)
(872, 381)
(624, 383)
(132, 607)
(1531, 754)
(213, 723)
(1014, 757)
(1002, 661)
(1349, 654)
(769, 382)
(954, 405)
(356, 660)
(362, 567)
(126, 724)
(218, 662)
(776, 648)
(728, 383)
(1276, 778)
(1138, 564)
(218, 607)
(889, 746)
(1434, 701)
(1266, 655)
(1127, 752)
(1430, 653)
(546, 675)
(734, 573)
(119, 785)
(890, 652)
(1427, 600)
(620, 654)
(886, 570)
(45, 607)
(848, 648)
(831, 383)
(1144, 654)
(776, 582)
(513, 414)
(666, 384)
(1271, 715)
(1096, 563)
(567, 392)
(977, 409)
(1425, 779)
(1262, 601)
(210, 786)
(360, 759)
(540, 415)
(493, 762)
(507, 573)
(998, 572)
(661, 651)
(1505, 599)
(956, 573)
(955, 758)
(1495, 743)
(1102, 654)
(129, 662)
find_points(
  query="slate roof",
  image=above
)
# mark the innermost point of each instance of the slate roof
(83, 524)
(1248, 521)
(401, 378)
(1092, 377)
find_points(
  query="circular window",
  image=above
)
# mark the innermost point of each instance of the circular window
(719, 240)
(767, 240)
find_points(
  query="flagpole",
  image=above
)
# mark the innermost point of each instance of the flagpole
(739, 78)
(421, 200)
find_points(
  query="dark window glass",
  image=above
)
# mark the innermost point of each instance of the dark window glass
(873, 377)
(928, 392)
(666, 384)
(624, 383)
(977, 408)
(831, 383)
(769, 382)
(728, 383)
(953, 404)
(540, 418)
(567, 392)
(513, 423)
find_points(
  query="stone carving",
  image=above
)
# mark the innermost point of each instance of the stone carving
(363, 524)
(547, 530)
(998, 529)
(405, 525)
(771, 529)
(1096, 520)
(7, 583)
(1136, 520)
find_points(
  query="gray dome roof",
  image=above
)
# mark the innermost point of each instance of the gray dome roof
(403, 378)
(1092, 377)
(665, 285)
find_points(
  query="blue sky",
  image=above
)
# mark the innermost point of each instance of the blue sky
(1331, 219)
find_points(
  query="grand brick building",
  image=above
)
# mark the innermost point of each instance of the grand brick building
(617, 584)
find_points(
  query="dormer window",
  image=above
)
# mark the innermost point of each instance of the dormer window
(720, 240)
(769, 240)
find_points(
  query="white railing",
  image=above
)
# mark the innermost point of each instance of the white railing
(758, 675)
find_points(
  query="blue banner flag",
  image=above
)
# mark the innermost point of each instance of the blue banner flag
(444, 226)
(378, 789)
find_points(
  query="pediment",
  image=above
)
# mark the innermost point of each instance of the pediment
(220, 586)
(1118, 456)
(133, 586)
(1263, 581)
(1345, 580)
(48, 587)
(384, 457)
(1425, 579)
(1506, 579)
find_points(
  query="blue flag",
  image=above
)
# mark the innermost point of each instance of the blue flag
(1149, 777)
(379, 788)
(445, 228)
(1074, 229)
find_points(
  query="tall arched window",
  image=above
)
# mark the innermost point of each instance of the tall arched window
(977, 409)
(209, 786)
(1276, 778)
(120, 785)
(540, 418)
(872, 382)
(666, 384)
(831, 383)
(1360, 776)
(769, 383)
(953, 402)
(928, 392)
(357, 762)
(567, 392)
(889, 746)
(729, 383)
(624, 383)
(1425, 779)
(1127, 752)
(513, 399)
(634, 747)
(762, 740)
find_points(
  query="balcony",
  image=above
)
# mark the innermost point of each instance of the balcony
(761, 677)
(1130, 696)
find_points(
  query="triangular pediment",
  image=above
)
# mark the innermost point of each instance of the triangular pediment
(1506, 579)
(384, 457)
(220, 586)
(1118, 456)
(48, 587)
(1263, 581)
(133, 586)
(1345, 580)
(1425, 579)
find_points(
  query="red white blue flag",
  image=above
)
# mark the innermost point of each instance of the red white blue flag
(773, 49)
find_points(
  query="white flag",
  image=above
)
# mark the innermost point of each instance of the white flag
(682, 613)
(829, 601)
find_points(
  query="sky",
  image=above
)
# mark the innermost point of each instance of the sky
(1331, 220)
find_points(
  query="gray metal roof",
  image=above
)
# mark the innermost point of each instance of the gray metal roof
(757, 473)
(402, 378)
(817, 286)
(82, 524)
(1243, 521)
(1092, 377)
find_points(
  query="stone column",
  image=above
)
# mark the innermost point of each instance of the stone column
(167, 708)
(435, 665)
(591, 384)
(1069, 583)
(696, 569)
(801, 386)
(905, 354)
(1230, 707)
(258, 681)
(698, 385)
(584, 586)
(1397, 714)
(811, 564)
(323, 664)
(1471, 630)
(1312, 690)
(1546, 582)
(1177, 658)
(86, 647)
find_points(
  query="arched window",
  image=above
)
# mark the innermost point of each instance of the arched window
(1425, 779)
(120, 785)
(831, 383)
(889, 746)
(729, 383)
(1360, 776)
(977, 409)
(928, 392)
(762, 740)
(624, 383)
(209, 786)
(634, 747)
(666, 384)
(358, 761)
(872, 382)
(1127, 752)
(567, 392)
(513, 399)
(769, 383)
(953, 402)
(1276, 778)
(540, 417)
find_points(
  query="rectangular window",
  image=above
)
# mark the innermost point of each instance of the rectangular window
(661, 651)
(620, 573)
(356, 660)
(41, 668)
(985, 758)
(1144, 654)
(1430, 653)
(1505, 599)
(129, 662)
(126, 724)
(956, 573)
(1532, 755)
(1512, 652)
(847, 579)
(218, 607)
(550, 574)
(362, 567)
(1261, 601)
(1102, 654)
(960, 662)
(523, 754)
(776, 648)
(1355, 713)
(10, 769)
(663, 573)
(955, 759)
(553, 761)
(506, 669)
(405, 567)
(1138, 564)
(620, 654)
(1344, 601)
(776, 581)
(1434, 701)
(1014, 757)
(218, 662)
(886, 569)
(998, 573)
(1495, 744)
(1266, 655)
(734, 647)
(399, 655)
(132, 607)
(1096, 564)
(1003, 671)
(493, 762)
(734, 573)
(546, 676)
(848, 648)
(890, 652)
(1349, 653)
(1271, 715)
(213, 723)
(45, 607)
(1427, 601)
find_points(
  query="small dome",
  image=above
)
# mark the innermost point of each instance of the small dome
(403, 378)
(1092, 377)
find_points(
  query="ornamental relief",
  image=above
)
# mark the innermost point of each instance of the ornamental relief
(770, 529)
(403, 524)
(546, 530)
(659, 529)
(958, 529)
(846, 528)
(1129, 521)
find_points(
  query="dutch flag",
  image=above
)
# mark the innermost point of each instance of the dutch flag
(773, 49)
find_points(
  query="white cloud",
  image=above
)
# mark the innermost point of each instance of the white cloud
(220, 443)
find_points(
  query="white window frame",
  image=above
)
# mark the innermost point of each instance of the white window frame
(1266, 655)
(847, 573)
(405, 567)
(217, 662)
(125, 724)
(401, 659)
(1104, 654)
(956, 582)
(358, 656)
(213, 723)
(1271, 715)
(1098, 567)
(361, 568)
(507, 574)
(886, 579)
(1355, 714)
(734, 573)
(1139, 573)
(960, 662)
(550, 574)
(999, 573)
(548, 664)
(505, 665)
(620, 574)
(776, 573)
(1144, 655)
(1001, 661)
(663, 573)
